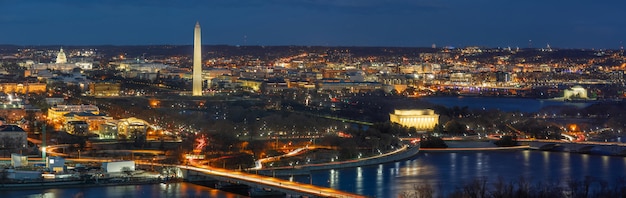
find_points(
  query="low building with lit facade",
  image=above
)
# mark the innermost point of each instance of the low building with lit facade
(75, 78)
(352, 87)
(210, 74)
(123, 128)
(77, 127)
(130, 127)
(252, 84)
(421, 119)
(22, 88)
(14, 109)
(56, 114)
(18, 160)
(575, 93)
(93, 120)
(55, 101)
(56, 164)
(460, 78)
(104, 89)
(108, 130)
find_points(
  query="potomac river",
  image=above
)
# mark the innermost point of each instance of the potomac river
(172, 190)
(448, 170)
(503, 104)
(444, 170)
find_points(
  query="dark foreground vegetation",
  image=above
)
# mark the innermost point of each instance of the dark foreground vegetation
(523, 188)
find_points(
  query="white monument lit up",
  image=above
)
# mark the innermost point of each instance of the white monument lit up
(197, 61)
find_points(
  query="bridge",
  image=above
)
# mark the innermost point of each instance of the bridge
(238, 177)
(258, 181)
(612, 148)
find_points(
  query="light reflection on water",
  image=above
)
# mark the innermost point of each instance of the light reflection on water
(447, 171)
(173, 190)
(503, 104)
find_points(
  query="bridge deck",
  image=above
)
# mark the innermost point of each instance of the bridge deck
(269, 182)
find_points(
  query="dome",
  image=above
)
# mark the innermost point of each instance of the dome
(61, 57)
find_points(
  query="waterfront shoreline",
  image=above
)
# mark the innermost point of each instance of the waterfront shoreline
(474, 149)
(71, 184)
(399, 155)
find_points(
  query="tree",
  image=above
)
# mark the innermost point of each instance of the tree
(438, 129)
(139, 138)
(127, 170)
(433, 142)
(348, 149)
(257, 146)
(455, 127)
(507, 140)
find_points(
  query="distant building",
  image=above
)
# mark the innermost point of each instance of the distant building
(132, 127)
(55, 101)
(77, 127)
(56, 114)
(104, 89)
(352, 87)
(421, 119)
(22, 88)
(128, 128)
(61, 58)
(23, 175)
(93, 120)
(251, 84)
(119, 166)
(12, 137)
(460, 78)
(503, 77)
(616, 76)
(75, 78)
(108, 130)
(56, 164)
(575, 93)
(61, 64)
(18, 160)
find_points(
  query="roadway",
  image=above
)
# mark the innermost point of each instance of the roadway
(271, 182)
(570, 142)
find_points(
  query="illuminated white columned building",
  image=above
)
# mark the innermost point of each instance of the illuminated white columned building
(421, 119)
(197, 61)
(576, 92)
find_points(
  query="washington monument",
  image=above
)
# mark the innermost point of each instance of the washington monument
(197, 61)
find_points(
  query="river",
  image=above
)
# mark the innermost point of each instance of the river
(448, 170)
(173, 190)
(444, 170)
(503, 104)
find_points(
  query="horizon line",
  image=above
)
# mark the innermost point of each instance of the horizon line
(294, 45)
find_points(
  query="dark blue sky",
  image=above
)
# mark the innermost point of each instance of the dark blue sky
(413, 23)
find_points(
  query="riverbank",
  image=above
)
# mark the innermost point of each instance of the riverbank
(474, 149)
(401, 154)
(32, 185)
(159, 190)
(446, 171)
(506, 104)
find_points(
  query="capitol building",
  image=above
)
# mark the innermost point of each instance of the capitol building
(61, 64)
(421, 119)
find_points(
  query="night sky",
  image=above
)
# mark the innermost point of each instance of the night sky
(410, 23)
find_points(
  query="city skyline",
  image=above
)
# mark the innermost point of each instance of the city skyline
(402, 23)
